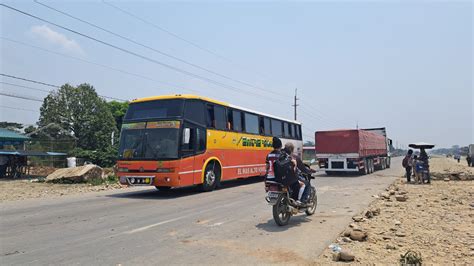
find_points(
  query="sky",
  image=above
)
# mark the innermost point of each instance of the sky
(403, 65)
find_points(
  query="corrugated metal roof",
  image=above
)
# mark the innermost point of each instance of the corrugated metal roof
(6, 134)
(32, 153)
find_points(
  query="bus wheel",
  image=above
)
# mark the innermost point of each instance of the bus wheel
(212, 176)
(162, 188)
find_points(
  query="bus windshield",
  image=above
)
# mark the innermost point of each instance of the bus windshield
(155, 109)
(149, 140)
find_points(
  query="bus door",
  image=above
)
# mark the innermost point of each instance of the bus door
(192, 148)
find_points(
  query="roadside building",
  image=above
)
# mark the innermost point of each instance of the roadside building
(14, 158)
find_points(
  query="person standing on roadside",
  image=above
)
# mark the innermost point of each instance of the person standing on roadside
(407, 163)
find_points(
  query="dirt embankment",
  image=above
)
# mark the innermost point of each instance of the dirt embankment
(24, 189)
(434, 220)
(35, 188)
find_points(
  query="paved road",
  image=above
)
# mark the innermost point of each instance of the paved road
(142, 226)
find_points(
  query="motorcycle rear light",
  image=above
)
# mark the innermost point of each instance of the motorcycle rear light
(272, 188)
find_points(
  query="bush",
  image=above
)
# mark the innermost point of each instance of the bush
(104, 158)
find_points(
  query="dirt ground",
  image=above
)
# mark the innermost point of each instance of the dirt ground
(12, 190)
(435, 220)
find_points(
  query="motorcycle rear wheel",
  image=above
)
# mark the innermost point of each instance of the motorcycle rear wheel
(312, 209)
(280, 211)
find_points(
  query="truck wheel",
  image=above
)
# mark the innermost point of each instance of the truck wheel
(212, 176)
(388, 163)
(365, 171)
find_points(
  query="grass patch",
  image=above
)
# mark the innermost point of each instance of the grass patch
(110, 179)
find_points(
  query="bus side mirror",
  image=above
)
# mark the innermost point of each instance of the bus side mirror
(186, 135)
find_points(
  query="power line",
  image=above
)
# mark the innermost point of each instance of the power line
(320, 114)
(29, 80)
(182, 39)
(151, 48)
(166, 31)
(21, 97)
(135, 54)
(98, 64)
(170, 33)
(50, 85)
(22, 86)
(16, 108)
(159, 28)
(317, 119)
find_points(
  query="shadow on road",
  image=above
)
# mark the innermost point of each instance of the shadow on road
(272, 227)
(183, 192)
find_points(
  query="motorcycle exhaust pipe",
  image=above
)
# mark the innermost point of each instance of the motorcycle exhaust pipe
(293, 210)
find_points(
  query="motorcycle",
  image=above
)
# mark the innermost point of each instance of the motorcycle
(284, 206)
(425, 172)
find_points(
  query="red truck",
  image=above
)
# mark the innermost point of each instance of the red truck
(353, 150)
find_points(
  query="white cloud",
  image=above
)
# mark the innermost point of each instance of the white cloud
(53, 37)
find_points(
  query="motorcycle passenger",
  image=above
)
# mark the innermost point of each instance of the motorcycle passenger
(424, 159)
(303, 169)
(271, 157)
(299, 186)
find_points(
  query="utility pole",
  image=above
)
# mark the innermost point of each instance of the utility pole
(295, 104)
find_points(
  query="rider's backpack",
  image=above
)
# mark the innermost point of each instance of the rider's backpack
(282, 167)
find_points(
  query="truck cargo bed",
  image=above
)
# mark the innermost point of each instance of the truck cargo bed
(354, 141)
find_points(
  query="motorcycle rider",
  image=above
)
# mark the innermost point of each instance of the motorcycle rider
(271, 157)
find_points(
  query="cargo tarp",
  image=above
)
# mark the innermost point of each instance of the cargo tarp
(364, 143)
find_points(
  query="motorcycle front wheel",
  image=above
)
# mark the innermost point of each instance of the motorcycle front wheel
(281, 215)
(314, 203)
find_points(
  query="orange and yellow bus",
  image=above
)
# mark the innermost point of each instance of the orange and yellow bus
(184, 140)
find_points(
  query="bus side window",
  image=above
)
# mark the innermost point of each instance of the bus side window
(285, 129)
(237, 121)
(276, 128)
(298, 132)
(293, 131)
(220, 117)
(210, 120)
(230, 120)
(266, 125)
(194, 111)
(201, 140)
(261, 125)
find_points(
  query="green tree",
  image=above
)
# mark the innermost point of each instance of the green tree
(308, 143)
(11, 126)
(30, 129)
(118, 110)
(80, 113)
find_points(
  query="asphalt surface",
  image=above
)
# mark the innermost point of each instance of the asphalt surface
(232, 225)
